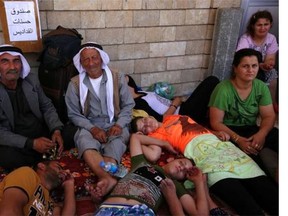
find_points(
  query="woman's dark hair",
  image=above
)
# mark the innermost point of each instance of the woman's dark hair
(240, 54)
(246, 52)
(133, 124)
(255, 17)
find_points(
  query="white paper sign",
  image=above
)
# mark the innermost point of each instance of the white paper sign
(21, 20)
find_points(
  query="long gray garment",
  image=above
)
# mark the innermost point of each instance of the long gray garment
(98, 116)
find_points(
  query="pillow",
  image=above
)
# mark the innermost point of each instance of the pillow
(139, 112)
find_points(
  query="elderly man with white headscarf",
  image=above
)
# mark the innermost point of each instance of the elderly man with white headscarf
(29, 123)
(99, 102)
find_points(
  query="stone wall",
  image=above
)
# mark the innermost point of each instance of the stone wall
(153, 40)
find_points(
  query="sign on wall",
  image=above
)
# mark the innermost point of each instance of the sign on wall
(21, 24)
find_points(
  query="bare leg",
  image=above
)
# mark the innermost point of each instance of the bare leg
(106, 181)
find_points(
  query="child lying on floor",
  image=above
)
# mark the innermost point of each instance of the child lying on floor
(232, 175)
(139, 192)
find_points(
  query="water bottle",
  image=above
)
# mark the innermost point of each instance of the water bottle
(118, 171)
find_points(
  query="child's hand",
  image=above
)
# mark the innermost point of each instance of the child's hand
(267, 66)
(167, 187)
(67, 178)
(195, 174)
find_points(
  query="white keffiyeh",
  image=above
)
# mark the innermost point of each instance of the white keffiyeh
(83, 90)
(25, 66)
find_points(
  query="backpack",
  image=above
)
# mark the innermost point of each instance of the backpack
(56, 65)
(60, 46)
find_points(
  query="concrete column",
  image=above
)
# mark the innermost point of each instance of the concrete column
(225, 37)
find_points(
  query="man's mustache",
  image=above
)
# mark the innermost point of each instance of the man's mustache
(12, 71)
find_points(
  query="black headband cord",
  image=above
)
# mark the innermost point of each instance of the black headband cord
(91, 45)
(11, 49)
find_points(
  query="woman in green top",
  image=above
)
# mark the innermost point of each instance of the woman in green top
(235, 105)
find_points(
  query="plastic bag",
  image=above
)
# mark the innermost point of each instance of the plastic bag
(164, 89)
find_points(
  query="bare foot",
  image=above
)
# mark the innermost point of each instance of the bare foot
(106, 184)
(103, 187)
(95, 193)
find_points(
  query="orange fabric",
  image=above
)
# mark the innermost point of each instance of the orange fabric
(179, 131)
